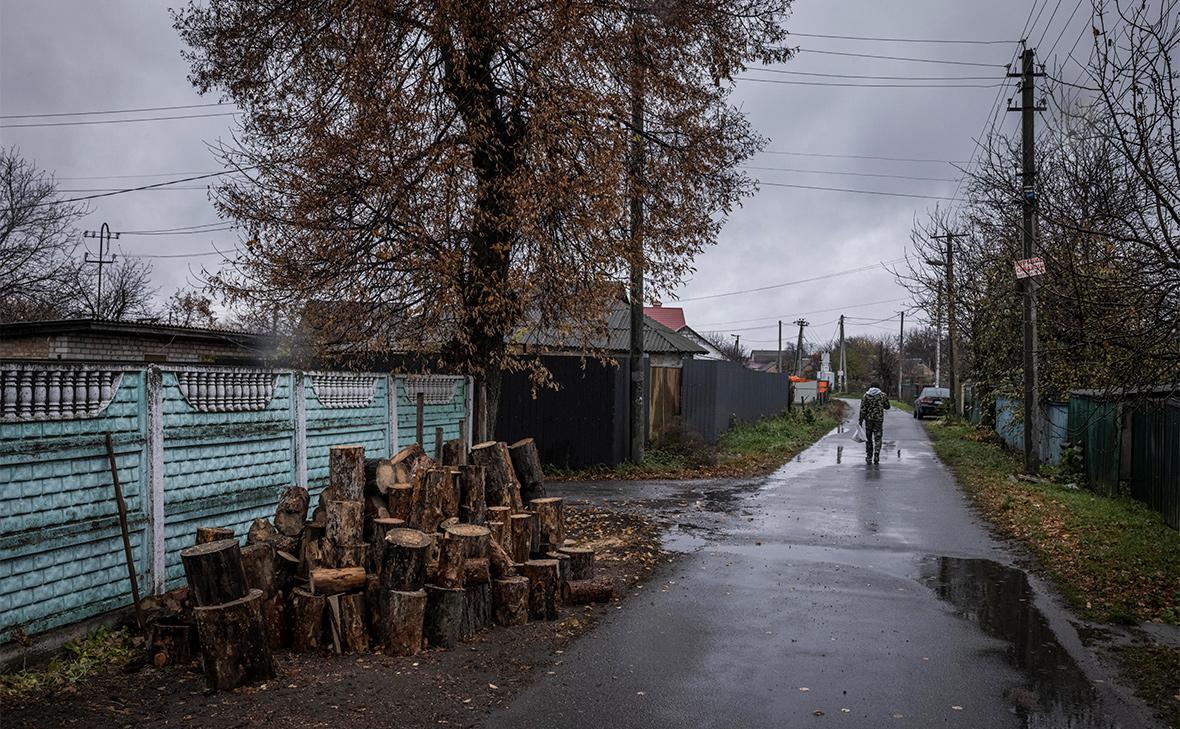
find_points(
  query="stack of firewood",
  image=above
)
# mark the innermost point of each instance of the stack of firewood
(402, 553)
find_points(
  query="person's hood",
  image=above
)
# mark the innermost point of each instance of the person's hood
(874, 391)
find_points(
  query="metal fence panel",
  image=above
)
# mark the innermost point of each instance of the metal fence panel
(716, 393)
(1094, 425)
(1054, 427)
(1155, 470)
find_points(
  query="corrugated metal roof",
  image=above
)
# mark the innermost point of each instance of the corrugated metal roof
(657, 338)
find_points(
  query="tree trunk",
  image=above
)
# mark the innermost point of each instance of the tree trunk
(261, 532)
(474, 537)
(380, 475)
(234, 645)
(258, 564)
(214, 572)
(477, 612)
(544, 588)
(402, 617)
(213, 534)
(510, 600)
(403, 562)
(401, 502)
(526, 462)
(174, 643)
(454, 453)
(348, 555)
(307, 620)
(444, 615)
(521, 527)
(291, 511)
(473, 505)
(330, 581)
(311, 555)
(584, 592)
(550, 522)
(581, 562)
(500, 482)
(346, 472)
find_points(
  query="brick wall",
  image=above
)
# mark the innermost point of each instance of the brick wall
(109, 348)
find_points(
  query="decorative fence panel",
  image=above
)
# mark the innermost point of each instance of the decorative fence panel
(194, 446)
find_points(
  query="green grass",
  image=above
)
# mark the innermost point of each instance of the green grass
(745, 450)
(1155, 671)
(1113, 558)
(79, 660)
(903, 406)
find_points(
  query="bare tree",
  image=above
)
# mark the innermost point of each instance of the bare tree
(729, 348)
(37, 240)
(127, 292)
(189, 308)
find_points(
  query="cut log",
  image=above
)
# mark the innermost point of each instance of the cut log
(331, 581)
(234, 647)
(444, 615)
(477, 611)
(261, 532)
(174, 643)
(380, 475)
(307, 620)
(346, 472)
(214, 572)
(498, 513)
(476, 571)
(584, 592)
(451, 555)
(258, 563)
(454, 453)
(403, 561)
(581, 562)
(499, 563)
(213, 534)
(348, 555)
(544, 588)
(521, 528)
(345, 522)
(291, 511)
(438, 499)
(353, 631)
(526, 462)
(402, 617)
(510, 600)
(379, 528)
(563, 565)
(405, 461)
(473, 505)
(274, 614)
(499, 532)
(376, 506)
(550, 521)
(401, 501)
(500, 482)
(290, 545)
(311, 555)
(474, 537)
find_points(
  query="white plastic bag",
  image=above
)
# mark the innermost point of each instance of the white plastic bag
(859, 435)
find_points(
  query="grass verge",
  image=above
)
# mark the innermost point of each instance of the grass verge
(79, 660)
(1155, 670)
(905, 407)
(748, 449)
(1113, 559)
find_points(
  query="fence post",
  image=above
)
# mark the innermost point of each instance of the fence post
(469, 416)
(299, 401)
(392, 407)
(420, 414)
(153, 483)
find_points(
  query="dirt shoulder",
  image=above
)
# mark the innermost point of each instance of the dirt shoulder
(435, 688)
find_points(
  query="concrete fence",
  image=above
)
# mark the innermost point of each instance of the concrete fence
(194, 446)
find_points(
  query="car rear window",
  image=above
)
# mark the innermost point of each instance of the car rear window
(936, 392)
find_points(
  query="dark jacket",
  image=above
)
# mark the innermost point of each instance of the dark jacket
(873, 406)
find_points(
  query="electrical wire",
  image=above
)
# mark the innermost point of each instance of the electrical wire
(881, 193)
(851, 174)
(135, 189)
(901, 58)
(771, 287)
(117, 121)
(130, 177)
(807, 313)
(902, 40)
(113, 111)
(868, 157)
(785, 72)
(786, 82)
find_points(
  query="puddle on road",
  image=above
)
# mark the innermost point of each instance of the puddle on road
(683, 539)
(999, 600)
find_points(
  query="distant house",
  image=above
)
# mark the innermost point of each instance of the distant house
(664, 346)
(124, 341)
(673, 318)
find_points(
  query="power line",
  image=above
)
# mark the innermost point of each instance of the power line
(1049, 23)
(803, 313)
(135, 189)
(155, 231)
(113, 111)
(795, 283)
(785, 82)
(858, 192)
(903, 58)
(1065, 27)
(865, 156)
(115, 189)
(185, 232)
(864, 76)
(129, 177)
(191, 254)
(117, 121)
(903, 40)
(852, 174)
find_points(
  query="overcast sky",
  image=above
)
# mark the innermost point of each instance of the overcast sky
(60, 56)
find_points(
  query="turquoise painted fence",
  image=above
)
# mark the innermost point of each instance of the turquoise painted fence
(1054, 427)
(194, 446)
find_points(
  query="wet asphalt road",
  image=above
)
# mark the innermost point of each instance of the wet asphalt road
(831, 592)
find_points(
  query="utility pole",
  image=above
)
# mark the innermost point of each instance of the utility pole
(780, 346)
(1028, 108)
(737, 346)
(103, 235)
(843, 362)
(949, 265)
(637, 164)
(938, 338)
(799, 348)
(900, 353)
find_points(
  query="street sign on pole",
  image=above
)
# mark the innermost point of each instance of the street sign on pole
(1029, 267)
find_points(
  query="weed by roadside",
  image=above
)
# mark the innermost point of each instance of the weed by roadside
(1155, 670)
(79, 659)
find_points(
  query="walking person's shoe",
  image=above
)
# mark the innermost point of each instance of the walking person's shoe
(876, 459)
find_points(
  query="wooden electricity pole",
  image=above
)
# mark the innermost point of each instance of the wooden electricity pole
(799, 348)
(637, 163)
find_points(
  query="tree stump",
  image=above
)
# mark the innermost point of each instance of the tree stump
(333, 580)
(550, 521)
(581, 562)
(261, 532)
(474, 537)
(544, 588)
(584, 592)
(526, 462)
(403, 562)
(401, 501)
(473, 505)
(405, 461)
(445, 608)
(476, 571)
(307, 620)
(510, 600)
(521, 528)
(499, 479)
(454, 453)
(311, 555)
(402, 617)
(498, 513)
(291, 511)
(174, 643)
(563, 565)
(380, 475)
(234, 644)
(214, 572)
(354, 636)
(477, 610)
(258, 564)
(213, 534)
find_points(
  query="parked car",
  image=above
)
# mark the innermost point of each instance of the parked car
(930, 401)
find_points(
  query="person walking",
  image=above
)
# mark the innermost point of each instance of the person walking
(872, 416)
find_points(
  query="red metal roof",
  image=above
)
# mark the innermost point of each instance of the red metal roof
(671, 317)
